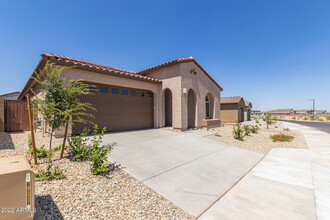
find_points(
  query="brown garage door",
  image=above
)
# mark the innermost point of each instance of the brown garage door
(120, 108)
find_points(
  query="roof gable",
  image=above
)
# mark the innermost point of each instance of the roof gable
(175, 62)
(84, 65)
(231, 100)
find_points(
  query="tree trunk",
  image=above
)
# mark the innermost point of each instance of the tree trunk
(51, 137)
(31, 128)
(64, 140)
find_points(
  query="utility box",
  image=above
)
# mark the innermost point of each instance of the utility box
(16, 188)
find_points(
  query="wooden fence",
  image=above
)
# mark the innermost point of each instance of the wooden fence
(16, 116)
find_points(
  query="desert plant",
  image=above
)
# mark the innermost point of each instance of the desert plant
(321, 119)
(255, 129)
(286, 129)
(294, 118)
(267, 119)
(98, 155)
(238, 132)
(281, 137)
(257, 121)
(305, 118)
(52, 172)
(247, 129)
(271, 122)
(78, 148)
(40, 152)
(312, 118)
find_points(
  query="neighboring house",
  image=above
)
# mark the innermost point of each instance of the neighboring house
(256, 112)
(247, 110)
(288, 111)
(10, 96)
(179, 93)
(232, 109)
(303, 111)
(321, 112)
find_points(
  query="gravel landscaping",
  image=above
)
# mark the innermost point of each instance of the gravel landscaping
(81, 195)
(261, 141)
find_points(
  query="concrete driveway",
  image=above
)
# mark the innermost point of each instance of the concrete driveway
(188, 169)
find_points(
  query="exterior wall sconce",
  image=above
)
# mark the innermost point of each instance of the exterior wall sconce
(184, 90)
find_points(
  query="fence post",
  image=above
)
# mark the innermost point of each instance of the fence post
(31, 128)
(2, 114)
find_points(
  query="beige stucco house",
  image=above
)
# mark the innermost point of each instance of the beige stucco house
(232, 109)
(179, 93)
(247, 110)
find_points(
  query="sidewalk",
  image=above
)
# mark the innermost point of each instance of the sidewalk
(286, 184)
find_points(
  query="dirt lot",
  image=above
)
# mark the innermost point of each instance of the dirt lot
(260, 142)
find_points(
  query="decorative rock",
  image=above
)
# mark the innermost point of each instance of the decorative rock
(81, 195)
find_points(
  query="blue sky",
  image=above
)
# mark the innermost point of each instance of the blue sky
(274, 53)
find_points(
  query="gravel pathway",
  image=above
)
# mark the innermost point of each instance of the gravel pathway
(260, 142)
(82, 195)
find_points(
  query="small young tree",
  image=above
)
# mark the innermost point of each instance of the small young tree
(76, 110)
(52, 103)
(268, 116)
(59, 103)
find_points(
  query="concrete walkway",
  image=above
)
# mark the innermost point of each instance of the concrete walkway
(286, 184)
(188, 169)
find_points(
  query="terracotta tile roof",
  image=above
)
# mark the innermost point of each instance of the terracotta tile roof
(230, 100)
(84, 65)
(80, 64)
(10, 96)
(247, 103)
(10, 93)
(177, 61)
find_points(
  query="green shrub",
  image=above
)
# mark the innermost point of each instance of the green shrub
(321, 119)
(255, 129)
(238, 132)
(52, 172)
(247, 129)
(311, 118)
(282, 137)
(78, 148)
(305, 118)
(271, 122)
(40, 152)
(294, 118)
(328, 118)
(257, 121)
(99, 155)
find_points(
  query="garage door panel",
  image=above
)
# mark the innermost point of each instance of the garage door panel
(131, 110)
